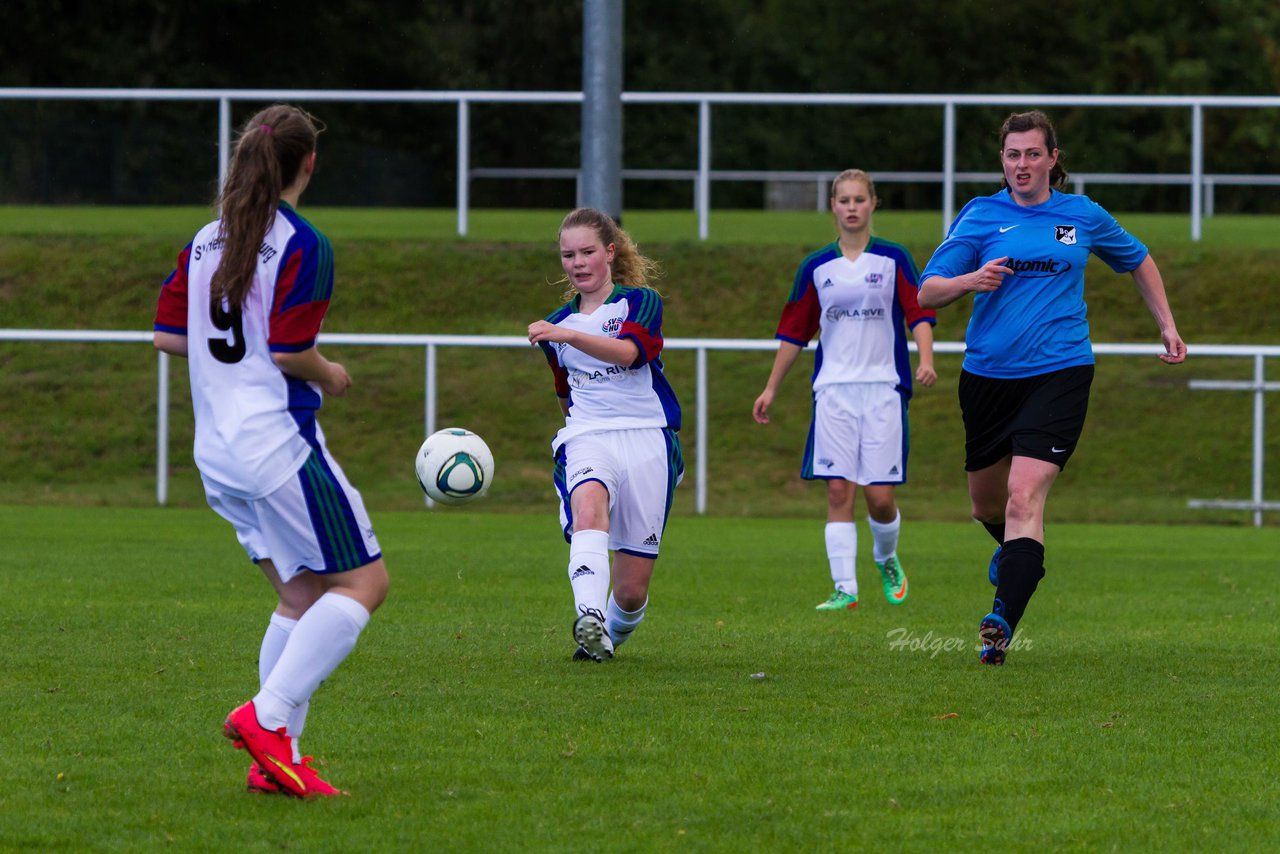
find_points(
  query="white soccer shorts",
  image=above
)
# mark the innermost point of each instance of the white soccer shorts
(316, 521)
(859, 433)
(640, 469)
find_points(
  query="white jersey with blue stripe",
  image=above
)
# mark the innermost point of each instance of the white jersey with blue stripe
(255, 425)
(1036, 321)
(604, 396)
(861, 308)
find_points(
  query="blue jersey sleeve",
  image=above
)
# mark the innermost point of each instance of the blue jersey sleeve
(960, 251)
(1120, 250)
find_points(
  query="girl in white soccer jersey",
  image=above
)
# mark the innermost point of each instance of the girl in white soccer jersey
(1028, 364)
(618, 458)
(858, 293)
(244, 307)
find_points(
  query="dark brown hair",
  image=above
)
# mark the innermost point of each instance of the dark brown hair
(629, 266)
(1036, 120)
(269, 153)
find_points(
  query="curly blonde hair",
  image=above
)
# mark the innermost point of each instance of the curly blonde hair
(630, 267)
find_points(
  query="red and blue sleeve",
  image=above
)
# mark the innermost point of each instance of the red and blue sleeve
(304, 284)
(558, 373)
(802, 315)
(907, 284)
(643, 324)
(171, 307)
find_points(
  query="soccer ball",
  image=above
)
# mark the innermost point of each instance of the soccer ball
(454, 466)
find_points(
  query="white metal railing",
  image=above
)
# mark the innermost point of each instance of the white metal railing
(1194, 177)
(1259, 386)
(821, 179)
(431, 343)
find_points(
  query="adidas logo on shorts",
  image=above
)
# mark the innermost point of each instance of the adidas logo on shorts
(651, 540)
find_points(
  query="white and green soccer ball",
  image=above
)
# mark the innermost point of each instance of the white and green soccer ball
(454, 466)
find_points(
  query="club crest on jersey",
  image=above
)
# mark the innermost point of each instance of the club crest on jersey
(613, 325)
(1065, 234)
(875, 280)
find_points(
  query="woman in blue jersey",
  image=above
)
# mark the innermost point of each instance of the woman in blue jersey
(244, 306)
(1028, 365)
(860, 294)
(618, 458)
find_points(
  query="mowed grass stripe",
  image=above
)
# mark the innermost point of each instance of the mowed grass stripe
(736, 718)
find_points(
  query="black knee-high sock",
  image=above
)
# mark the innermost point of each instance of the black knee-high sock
(1021, 568)
(996, 531)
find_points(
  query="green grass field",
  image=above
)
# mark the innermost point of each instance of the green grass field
(1137, 717)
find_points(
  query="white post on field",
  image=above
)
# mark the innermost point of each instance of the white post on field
(700, 432)
(429, 390)
(162, 429)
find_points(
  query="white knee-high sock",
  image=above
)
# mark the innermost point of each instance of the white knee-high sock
(324, 636)
(589, 570)
(273, 641)
(885, 538)
(842, 546)
(619, 623)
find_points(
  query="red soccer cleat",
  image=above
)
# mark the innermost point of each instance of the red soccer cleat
(273, 767)
(259, 782)
(273, 751)
(316, 787)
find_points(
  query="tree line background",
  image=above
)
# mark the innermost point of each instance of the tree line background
(380, 154)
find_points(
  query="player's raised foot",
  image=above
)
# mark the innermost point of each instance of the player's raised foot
(839, 601)
(895, 580)
(993, 568)
(589, 632)
(273, 751)
(994, 634)
(259, 782)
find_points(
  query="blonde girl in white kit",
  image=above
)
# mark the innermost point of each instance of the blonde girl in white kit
(618, 457)
(858, 295)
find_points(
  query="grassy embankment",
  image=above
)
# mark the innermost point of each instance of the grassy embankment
(78, 422)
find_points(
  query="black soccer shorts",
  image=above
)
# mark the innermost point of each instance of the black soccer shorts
(1039, 417)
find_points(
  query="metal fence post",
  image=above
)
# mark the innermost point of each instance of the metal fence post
(464, 158)
(162, 428)
(1259, 411)
(703, 189)
(224, 140)
(1259, 386)
(1197, 167)
(700, 470)
(429, 398)
(948, 165)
